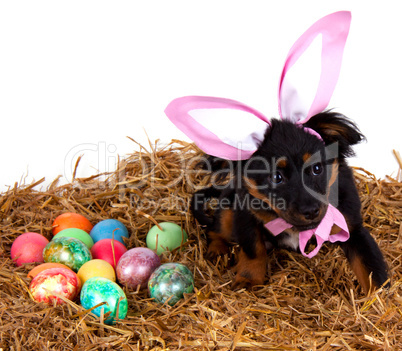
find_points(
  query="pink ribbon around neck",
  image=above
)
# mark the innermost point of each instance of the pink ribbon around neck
(331, 33)
(322, 232)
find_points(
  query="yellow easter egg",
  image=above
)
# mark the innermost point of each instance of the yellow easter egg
(96, 268)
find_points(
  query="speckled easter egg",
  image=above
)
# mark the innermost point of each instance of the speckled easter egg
(78, 234)
(108, 250)
(69, 251)
(97, 290)
(109, 229)
(62, 281)
(71, 220)
(96, 268)
(135, 267)
(169, 238)
(169, 282)
(28, 248)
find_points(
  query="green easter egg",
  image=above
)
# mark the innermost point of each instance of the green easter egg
(169, 282)
(69, 251)
(98, 290)
(169, 238)
(78, 234)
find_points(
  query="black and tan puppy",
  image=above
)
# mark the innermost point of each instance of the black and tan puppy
(293, 175)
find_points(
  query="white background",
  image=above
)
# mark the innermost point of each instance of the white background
(77, 77)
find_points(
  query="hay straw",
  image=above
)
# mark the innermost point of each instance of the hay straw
(306, 304)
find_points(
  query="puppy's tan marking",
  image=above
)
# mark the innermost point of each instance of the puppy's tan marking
(219, 241)
(334, 173)
(306, 156)
(361, 273)
(253, 190)
(282, 162)
(251, 271)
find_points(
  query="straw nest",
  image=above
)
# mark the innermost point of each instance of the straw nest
(306, 304)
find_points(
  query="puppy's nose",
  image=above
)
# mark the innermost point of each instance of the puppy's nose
(310, 212)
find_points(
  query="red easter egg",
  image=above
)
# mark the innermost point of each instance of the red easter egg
(71, 220)
(28, 248)
(62, 281)
(108, 250)
(136, 266)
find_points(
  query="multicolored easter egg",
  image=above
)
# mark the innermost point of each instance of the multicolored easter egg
(28, 248)
(43, 266)
(169, 282)
(78, 234)
(108, 250)
(109, 229)
(71, 220)
(97, 290)
(69, 251)
(135, 267)
(62, 281)
(169, 238)
(96, 268)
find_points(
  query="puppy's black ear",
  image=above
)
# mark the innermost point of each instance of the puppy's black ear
(336, 128)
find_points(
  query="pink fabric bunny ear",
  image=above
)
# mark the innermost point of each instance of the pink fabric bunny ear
(312, 68)
(210, 122)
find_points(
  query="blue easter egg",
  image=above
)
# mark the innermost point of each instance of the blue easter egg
(97, 290)
(108, 229)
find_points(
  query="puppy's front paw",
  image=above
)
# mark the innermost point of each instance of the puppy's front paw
(248, 278)
(216, 248)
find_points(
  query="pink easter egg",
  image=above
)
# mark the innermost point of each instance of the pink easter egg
(28, 248)
(108, 250)
(136, 266)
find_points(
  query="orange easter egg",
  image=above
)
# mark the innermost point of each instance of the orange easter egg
(71, 220)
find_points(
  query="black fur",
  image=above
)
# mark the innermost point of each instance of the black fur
(292, 175)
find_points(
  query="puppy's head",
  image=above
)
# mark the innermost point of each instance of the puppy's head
(293, 170)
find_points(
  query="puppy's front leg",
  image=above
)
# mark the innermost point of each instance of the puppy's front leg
(365, 259)
(252, 263)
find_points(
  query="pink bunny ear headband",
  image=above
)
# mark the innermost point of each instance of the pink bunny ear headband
(315, 57)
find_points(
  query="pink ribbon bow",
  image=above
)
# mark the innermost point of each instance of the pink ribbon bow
(322, 232)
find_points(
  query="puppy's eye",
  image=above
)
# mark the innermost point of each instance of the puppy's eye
(276, 178)
(316, 169)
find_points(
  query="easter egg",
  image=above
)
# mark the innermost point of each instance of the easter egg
(36, 270)
(96, 268)
(78, 234)
(28, 248)
(135, 267)
(69, 251)
(108, 250)
(169, 238)
(97, 290)
(71, 220)
(109, 229)
(169, 282)
(62, 281)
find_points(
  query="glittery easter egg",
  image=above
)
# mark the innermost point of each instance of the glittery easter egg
(169, 282)
(98, 290)
(169, 238)
(109, 229)
(62, 281)
(28, 248)
(69, 251)
(71, 220)
(135, 267)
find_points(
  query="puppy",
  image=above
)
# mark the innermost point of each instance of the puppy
(293, 175)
